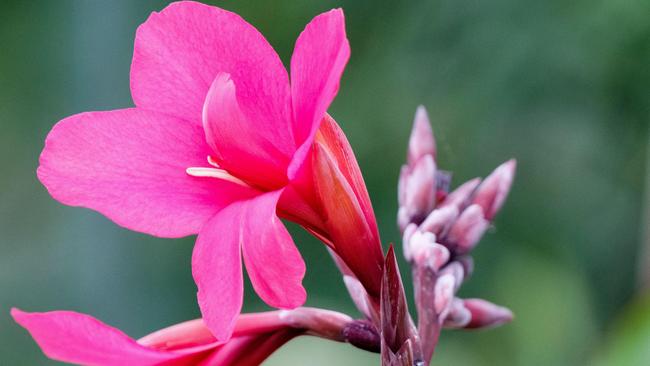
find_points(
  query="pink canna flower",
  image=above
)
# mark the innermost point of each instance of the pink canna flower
(220, 143)
(81, 339)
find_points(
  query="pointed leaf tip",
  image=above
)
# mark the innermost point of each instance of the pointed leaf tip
(393, 304)
(397, 329)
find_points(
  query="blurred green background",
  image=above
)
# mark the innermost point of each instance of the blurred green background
(561, 86)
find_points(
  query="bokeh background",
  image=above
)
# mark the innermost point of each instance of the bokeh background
(561, 86)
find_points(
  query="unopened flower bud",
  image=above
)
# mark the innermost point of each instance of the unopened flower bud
(460, 196)
(434, 257)
(403, 218)
(420, 189)
(362, 334)
(458, 316)
(486, 314)
(440, 219)
(420, 247)
(456, 270)
(444, 292)
(418, 182)
(420, 242)
(409, 230)
(491, 194)
(421, 142)
(468, 229)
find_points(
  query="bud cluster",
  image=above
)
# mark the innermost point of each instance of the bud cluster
(439, 228)
(439, 231)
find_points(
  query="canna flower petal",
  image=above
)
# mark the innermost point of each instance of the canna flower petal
(331, 137)
(351, 235)
(253, 150)
(179, 51)
(319, 58)
(274, 264)
(217, 271)
(130, 165)
(78, 338)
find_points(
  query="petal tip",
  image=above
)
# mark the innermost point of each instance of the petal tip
(18, 315)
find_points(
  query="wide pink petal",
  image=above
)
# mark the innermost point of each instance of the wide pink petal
(78, 338)
(318, 60)
(179, 51)
(255, 150)
(273, 263)
(130, 165)
(217, 271)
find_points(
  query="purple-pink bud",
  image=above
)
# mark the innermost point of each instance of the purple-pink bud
(460, 197)
(409, 230)
(420, 196)
(444, 293)
(403, 218)
(417, 243)
(363, 334)
(417, 187)
(492, 193)
(440, 219)
(458, 316)
(456, 270)
(421, 249)
(486, 314)
(421, 142)
(421, 186)
(468, 229)
(416, 191)
(434, 257)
